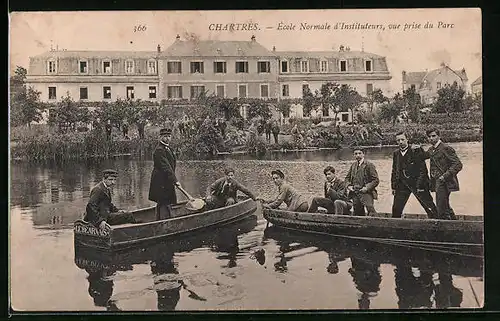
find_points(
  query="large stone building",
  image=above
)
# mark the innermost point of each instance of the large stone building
(427, 83)
(230, 69)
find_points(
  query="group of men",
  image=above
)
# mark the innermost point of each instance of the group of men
(357, 192)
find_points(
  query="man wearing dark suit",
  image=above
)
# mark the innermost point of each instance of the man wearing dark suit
(409, 175)
(335, 200)
(163, 179)
(444, 168)
(100, 210)
(362, 180)
(223, 192)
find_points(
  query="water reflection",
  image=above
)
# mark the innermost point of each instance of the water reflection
(366, 277)
(166, 284)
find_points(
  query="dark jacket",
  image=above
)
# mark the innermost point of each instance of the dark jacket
(411, 168)
(216, 189)
(338, 190)
(364, 176)
(163, 179)
(444, 161)
(99, 206)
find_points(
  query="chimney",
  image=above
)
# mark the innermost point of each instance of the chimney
(253, 38)
(443, 64)
(158, 48)
(178, 38)
(274, 48)
(404, 76)
(348, 49)
(341, 48)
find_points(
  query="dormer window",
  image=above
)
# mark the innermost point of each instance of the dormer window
(343, 65)
(129, 66)
(51, 66)
(106, 67)
(323, 66)
(284, 66)
(368, 66)
(152, 66)
(83, 66)
(304, 66)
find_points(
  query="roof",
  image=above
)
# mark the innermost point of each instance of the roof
(327, 54)
(96, 54)
(419, 76)
(478, 81)
(415, 77)
(216, 48)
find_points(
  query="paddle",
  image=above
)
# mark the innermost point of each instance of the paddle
(194, 204)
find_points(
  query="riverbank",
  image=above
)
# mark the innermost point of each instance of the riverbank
(43, 144)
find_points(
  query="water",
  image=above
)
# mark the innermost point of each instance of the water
(245, 266)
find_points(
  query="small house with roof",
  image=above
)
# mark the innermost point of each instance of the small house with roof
(428, 83)
(477, 86)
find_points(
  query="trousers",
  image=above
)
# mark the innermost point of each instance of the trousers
(424, 198)
(444, 210)
(339, 207)
(362, 200)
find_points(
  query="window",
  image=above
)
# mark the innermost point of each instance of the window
(197, 91)
(196, 67)
(84, 93)
(174, 92)
(242, 67)
(368, 65)
(345, 118)
(130, 92)
(369, 89)
(438, 85)
(152, 66)
(82, 66)
(220, 91)
(285, 90)
(326, 112)
(323, 66)
(305, 88)
(263, 67)
(106, 92)
(220, 67)
(343, 65)
(174, 67)
(412, 87)
(242, 91)
(106, 67)
(129, 66)
(264, 91)
(304, 66)
(52, 93)
(51, 66)
(284, 66)
(152, 91)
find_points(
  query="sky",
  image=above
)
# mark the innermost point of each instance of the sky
(455, 38)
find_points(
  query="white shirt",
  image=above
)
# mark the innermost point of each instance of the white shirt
(437, 144)
(403, 152)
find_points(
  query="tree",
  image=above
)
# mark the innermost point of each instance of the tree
(450, 99)
(413, 103)
(376, 97)
(346, 98)
(309, 101)
(391, 110)
(25, 105)
(284, 106)
(259, 108)
(68, 114)
(326, 97)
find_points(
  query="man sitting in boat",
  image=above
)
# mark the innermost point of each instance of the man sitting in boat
(361, 180)
(286, 193)
(335, 200)
(100, 210)
(223, 192)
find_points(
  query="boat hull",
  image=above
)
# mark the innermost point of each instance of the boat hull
(131, 235)
(465, 234)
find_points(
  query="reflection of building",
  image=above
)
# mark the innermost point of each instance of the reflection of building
(477, 86)
(427, 83)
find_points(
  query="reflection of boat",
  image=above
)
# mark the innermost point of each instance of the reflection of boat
(167, 281)
(464, 235)
(130, 235)
(339, 249)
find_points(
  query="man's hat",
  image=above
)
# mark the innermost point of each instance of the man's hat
(109, 172)
(165, 131)
(278, 172)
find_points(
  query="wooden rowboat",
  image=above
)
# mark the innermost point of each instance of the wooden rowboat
(183, 221)
(464, 235)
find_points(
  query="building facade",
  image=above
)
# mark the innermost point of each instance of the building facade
(243, 69)
(428, 83)
(477, 86)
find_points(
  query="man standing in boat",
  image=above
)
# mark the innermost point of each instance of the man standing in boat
(100, 210)
(335, 200)
(223, 192)
(409, 175)
(163, 179)
(362, 180)
(444, 168)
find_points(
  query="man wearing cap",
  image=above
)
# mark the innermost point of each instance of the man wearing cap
(163, 179)
(223, 192)
(100, 210)
(361, 180)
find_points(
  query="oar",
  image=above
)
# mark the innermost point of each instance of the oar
(193, 204)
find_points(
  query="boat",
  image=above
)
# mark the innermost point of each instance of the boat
(183, 221)
(464, 235)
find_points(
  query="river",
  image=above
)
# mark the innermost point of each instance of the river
(242, 267)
